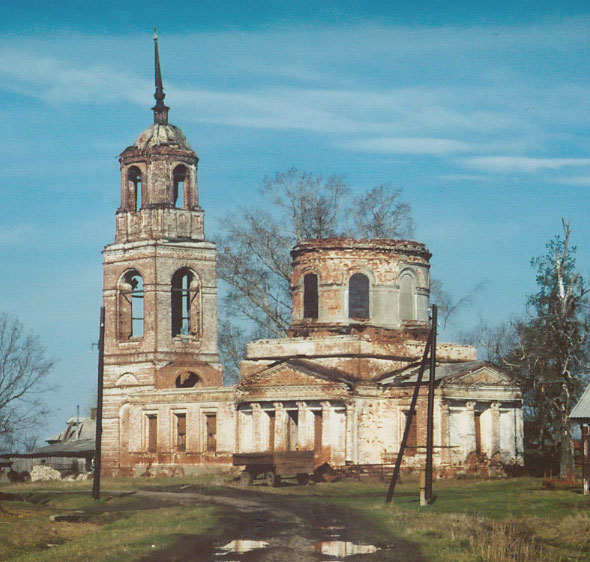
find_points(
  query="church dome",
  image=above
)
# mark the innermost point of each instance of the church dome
(162, 134)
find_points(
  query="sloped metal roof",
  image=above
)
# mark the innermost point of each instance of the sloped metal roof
(75, 448)
(409, 375)
(581, 410)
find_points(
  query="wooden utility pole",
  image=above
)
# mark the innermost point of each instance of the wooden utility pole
(98, 442)
(430, 414)
(429, 349)
(409, 418)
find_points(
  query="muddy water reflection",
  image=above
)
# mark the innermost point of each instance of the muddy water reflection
(331, 548)
(239, 546)
(342, 549)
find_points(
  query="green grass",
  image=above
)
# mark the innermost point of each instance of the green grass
(116, 528)
(494, 520)
(512, 520)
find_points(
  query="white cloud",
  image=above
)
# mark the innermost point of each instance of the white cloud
(523, 163)
(463, 177)
(408, 145)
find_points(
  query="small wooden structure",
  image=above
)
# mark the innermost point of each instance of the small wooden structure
(275, 464)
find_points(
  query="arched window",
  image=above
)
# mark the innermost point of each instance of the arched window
(184, 303)
(407, 309)
(134, 184)
(179, 178)
(358, 296)
(310, 296)
(131, 306)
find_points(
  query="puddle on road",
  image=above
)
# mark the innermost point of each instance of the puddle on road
(331, 548)
(341, 549)
(239, 546)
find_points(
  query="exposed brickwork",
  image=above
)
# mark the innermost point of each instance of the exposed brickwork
(335, 260)
(160, 231)
(340, 384)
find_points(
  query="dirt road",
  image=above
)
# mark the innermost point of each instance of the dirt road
(266, 527)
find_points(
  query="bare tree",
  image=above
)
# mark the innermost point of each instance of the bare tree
(448, 305)
(24, 368)
(254, 255)
(381, 213)
(556, 338)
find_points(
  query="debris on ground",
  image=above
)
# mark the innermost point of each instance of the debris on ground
(44, 473)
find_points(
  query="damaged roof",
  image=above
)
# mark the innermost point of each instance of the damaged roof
(409, 375)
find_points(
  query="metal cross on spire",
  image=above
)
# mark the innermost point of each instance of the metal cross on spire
(160, 110)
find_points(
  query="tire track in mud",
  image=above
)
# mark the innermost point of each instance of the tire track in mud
(265, 527)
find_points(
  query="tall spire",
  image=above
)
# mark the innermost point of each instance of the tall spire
(160, 110)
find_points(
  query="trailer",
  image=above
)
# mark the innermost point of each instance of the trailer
(273, 465)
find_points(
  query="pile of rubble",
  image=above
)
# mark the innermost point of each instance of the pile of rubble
(44, 473)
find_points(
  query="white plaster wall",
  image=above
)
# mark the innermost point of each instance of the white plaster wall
(246, 432)
(486, 432)
(226, 428)
(507, 435)
(458, 434)
(390, 428)
(370, 432)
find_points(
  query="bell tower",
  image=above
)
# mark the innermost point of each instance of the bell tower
(159, 284)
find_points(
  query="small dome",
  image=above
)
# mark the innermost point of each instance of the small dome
(162, 135)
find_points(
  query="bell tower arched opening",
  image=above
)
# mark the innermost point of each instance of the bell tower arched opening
(134, 188)
(179, 185)
(184, 303)
(131, 315)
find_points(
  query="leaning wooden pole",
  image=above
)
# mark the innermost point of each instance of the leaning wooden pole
(430, 413)
(98, 442)
(411, 412)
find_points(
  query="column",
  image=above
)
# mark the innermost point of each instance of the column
(495, 408)
(445, 452)
(304, 428)
(469, 445)
(280, 427)
(256, 427)
(351, 431)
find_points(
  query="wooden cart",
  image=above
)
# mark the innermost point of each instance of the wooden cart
(273, 465)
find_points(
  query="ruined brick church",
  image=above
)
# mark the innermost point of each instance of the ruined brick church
(341, 382)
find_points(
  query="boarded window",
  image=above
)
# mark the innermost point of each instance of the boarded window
(152, 433)
(406, 298)
(211, 428)
(183, 303)
(134, 186)
(358, 296)
(310, 296)
(131, 306)
(180, 432)
(179, 178)
(412, 442)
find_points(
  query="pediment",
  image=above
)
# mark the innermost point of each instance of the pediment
(289, 374)
(483, 376)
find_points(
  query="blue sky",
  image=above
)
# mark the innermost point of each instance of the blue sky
(479, 111)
